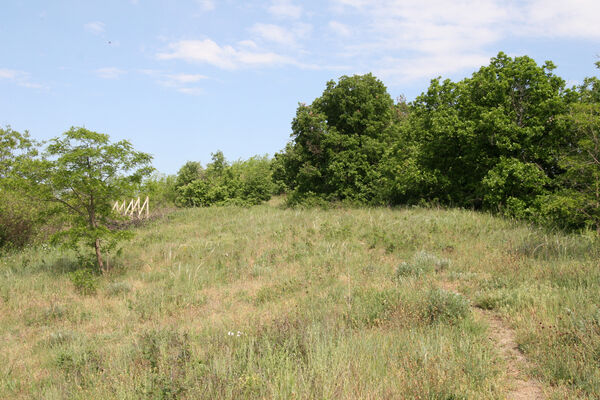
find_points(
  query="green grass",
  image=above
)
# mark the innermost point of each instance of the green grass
(265, 302)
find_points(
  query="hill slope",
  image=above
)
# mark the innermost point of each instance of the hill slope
(346, 303)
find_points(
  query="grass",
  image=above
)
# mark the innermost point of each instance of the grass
(266, 302)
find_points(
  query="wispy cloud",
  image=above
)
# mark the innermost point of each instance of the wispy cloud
(274, 33)
(186, 78)
(340, 28)
(555, 18)
(207, 5)
(194, 91)
(95, 27)
(413, 39)
(181, 82)
(20, 78)
(226, 57)
(109, 72)
(285, 9)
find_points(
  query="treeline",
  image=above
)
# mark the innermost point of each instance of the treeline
(511, 139)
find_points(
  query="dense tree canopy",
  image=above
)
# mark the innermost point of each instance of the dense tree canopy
(510, 138)
(338, 141)
(492, 137)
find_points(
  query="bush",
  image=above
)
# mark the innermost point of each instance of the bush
(446, 307)
(245, 183)
(85, 281)
(421, 263)
(17, 220)
(118, 288)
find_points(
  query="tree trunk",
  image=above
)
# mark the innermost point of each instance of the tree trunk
(94, 225)
(99, 255)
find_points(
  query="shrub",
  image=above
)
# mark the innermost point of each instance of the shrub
(17, 220)
(85, 281)
(421, 263)
(118, 288)
(243, 183)
(446, 307)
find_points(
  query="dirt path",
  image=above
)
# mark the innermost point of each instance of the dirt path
(521, 386)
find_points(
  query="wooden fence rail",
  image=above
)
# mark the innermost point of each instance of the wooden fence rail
(130, 209)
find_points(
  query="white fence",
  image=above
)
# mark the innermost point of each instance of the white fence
(134, 208)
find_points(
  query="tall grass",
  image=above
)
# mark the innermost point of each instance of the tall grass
(266, 302)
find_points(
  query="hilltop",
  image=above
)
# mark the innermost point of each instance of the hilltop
(266, 302)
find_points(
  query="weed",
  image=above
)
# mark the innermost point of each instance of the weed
(118, 289)
(421, 263)
(446, 307)
(85, 281)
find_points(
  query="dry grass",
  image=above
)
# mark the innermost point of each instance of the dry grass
(340, 303)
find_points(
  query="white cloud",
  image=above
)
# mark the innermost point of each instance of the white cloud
(339, 28)
(95, 27)
(181, 82)
(274, 33)
(207, 5)
(186, 78)
(191, 90)
(9, 74)
(248, 43)
(226, 57)
(403, 70)
(285, 9)
(556, 18)
(109, 73)
(20, 78)
(455, 35)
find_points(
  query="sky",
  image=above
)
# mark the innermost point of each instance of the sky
(181, 79)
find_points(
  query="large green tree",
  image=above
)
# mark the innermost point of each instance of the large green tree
(491, 140)
(338, 141)
(83, 173)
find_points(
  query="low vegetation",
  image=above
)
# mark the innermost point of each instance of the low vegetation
(266, 302)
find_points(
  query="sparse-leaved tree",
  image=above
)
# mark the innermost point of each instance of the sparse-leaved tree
(83, 173)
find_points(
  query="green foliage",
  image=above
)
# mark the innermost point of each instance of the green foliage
(338, 140)
(246, 182)
(511, 138)
(85, 281)
(18, 213)
(160, 188)
(581, 162)
(479, 140)
(446, 307)
(513, 186)
(18, 220)
(421, 263)
(82, 172)
(188, 173)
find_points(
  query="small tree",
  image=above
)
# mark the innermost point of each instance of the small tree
(83, 173)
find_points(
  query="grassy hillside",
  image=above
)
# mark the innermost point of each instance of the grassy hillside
(266, 302)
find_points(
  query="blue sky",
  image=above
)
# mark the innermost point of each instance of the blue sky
(181, 79)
